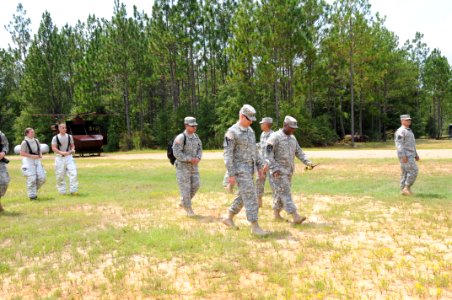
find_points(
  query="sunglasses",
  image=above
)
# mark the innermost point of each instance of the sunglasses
(247, 118)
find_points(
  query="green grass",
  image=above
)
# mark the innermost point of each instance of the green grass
(125, 237)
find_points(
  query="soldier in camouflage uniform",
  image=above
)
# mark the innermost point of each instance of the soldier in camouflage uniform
(4, 177)
(406, 152)
(282, 147)
(266, 127)
(32, 167)
(242, 159)
(187, 149)
(63, 146)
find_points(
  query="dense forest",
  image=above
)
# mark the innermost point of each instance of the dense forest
(336, 68)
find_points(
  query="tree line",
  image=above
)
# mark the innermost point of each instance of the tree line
(336, 68)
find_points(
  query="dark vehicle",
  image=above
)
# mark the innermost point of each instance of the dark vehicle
(88, 138)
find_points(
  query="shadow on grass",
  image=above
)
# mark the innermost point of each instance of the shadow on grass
(429, 196)
(6, 213)
(274, 235)
(43, 199)
(312, 225)
(206, 219)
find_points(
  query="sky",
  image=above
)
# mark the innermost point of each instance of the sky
(433, 18)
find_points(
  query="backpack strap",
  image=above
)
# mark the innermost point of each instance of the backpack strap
(58, 142)
(39, 147)
(69, 137)
(29, 148)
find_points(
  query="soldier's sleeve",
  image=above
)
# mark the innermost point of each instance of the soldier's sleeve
(259, 159)
(54, 142)
(178, 149)
(199, 152)
(5, 144)
(301, 155)
(270, 153)
(228, 154)
(399, 139)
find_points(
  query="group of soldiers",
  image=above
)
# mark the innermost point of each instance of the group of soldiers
(273, 158)
(30, 149)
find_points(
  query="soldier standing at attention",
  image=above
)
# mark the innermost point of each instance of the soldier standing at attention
(187, 149)
(4, 177)
(63, 146)
(32, 167)
(406, 152)
(266, 127)
(282, 147)
(241, 159)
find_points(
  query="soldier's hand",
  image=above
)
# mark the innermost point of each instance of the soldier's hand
(404, 159)
(2, 155)
(231, 180)
(417, 158)
(309, 167)
(276, 174)
(265, 168)
(195, 160)
(261, 173)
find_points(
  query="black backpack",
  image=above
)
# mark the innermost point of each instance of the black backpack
(169, 150)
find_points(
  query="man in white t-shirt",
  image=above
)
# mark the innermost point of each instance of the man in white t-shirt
(63, 146)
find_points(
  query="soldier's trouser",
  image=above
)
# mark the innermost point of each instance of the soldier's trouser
(283, 194)
(188, 181)
(65, 165)
(36, 176)
(4, 179)
(247, 196)
(409, 172)
(260, 184)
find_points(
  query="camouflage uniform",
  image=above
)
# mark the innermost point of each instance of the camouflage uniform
(406, 147)
(280, 156)
(65, 165)
(4, 176)
(260, 182)
(241, 159)
(187, 173)
(32, 169)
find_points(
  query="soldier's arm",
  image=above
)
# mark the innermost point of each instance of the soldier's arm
(270, 154)
(72, 143)
(199, 152)
(400, 143)
(178, 147)
(5, 144)
(302, 156)
(228, 154)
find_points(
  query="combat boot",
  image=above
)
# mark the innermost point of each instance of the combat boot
(257, 230)
(190, 212)
(406, 191)
(297, 219)
(229, 221)
(276, 215)
(259, 201)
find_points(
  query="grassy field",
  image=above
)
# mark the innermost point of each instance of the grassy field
(124, 237)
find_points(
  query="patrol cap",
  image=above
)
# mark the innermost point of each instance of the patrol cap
(266, 120)
(248, 111)
(190, 121)
(405, 117)
(291, 122)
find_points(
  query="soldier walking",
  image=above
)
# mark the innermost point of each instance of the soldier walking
(407, 154)
(282, 147)
(266, 127)
(32, 167)
(187, 149)
(241, 159)
(4, 176)
(63, 146)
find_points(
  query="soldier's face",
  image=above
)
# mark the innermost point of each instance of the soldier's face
(31, 134)
(62, 128)
(265, 127)
(406, 122)
(190, 129)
